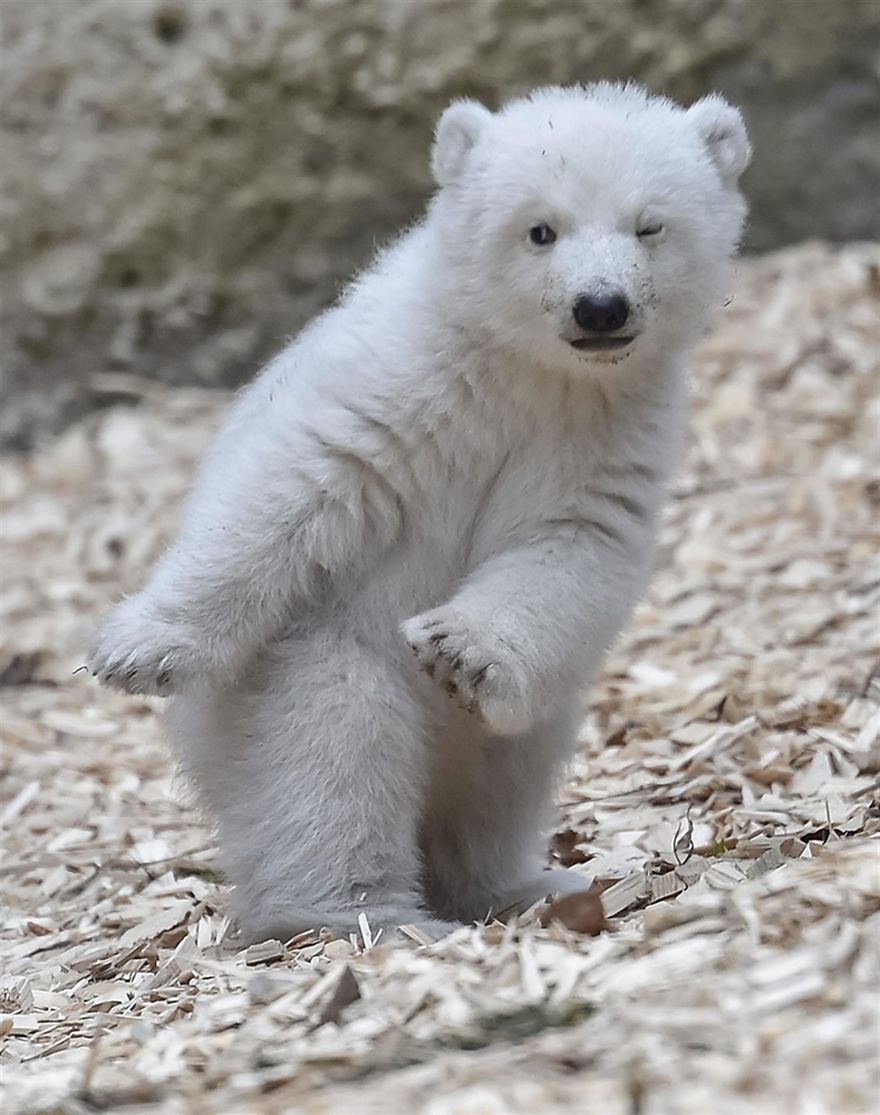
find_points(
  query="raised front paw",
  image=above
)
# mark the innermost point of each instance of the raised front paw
(474, 668)
(135, 650)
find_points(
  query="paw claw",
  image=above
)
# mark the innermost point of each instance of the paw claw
(480, 674)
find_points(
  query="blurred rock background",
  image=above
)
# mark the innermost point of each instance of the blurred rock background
(184, 182)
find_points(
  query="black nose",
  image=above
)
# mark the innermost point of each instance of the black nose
(601, 313)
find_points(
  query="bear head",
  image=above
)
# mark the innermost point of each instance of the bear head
(592, 225)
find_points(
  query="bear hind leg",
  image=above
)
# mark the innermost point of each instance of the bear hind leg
(315, 775)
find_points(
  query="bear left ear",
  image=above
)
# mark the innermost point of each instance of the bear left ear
(458, 129)
(722, 130)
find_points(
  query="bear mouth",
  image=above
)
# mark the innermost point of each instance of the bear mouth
(600, 344)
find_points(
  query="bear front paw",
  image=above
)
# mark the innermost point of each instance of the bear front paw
(138, 652)
(475, 671)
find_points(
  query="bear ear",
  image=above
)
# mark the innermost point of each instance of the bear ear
(458, 129)
(722, 130)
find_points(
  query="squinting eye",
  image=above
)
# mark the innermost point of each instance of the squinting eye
(650, 230)
(542, 235)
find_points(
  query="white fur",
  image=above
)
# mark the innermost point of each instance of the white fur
(425, 522)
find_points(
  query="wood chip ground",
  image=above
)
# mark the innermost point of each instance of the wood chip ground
(725, 796)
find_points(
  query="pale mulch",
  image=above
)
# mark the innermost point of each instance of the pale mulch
(727, 796)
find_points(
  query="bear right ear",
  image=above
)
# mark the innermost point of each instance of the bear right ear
(458, 129)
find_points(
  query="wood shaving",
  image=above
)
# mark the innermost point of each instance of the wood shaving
(725, 796)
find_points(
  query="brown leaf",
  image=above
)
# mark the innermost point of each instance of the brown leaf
(565, 847)
(346, 992)
(617, 738)
(581, 912)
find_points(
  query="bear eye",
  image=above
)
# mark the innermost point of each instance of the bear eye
(541, 235)
(654, 228)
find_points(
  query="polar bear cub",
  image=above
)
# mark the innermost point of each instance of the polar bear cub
(426, 520)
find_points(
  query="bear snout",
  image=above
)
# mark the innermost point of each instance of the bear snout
(601, 313)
